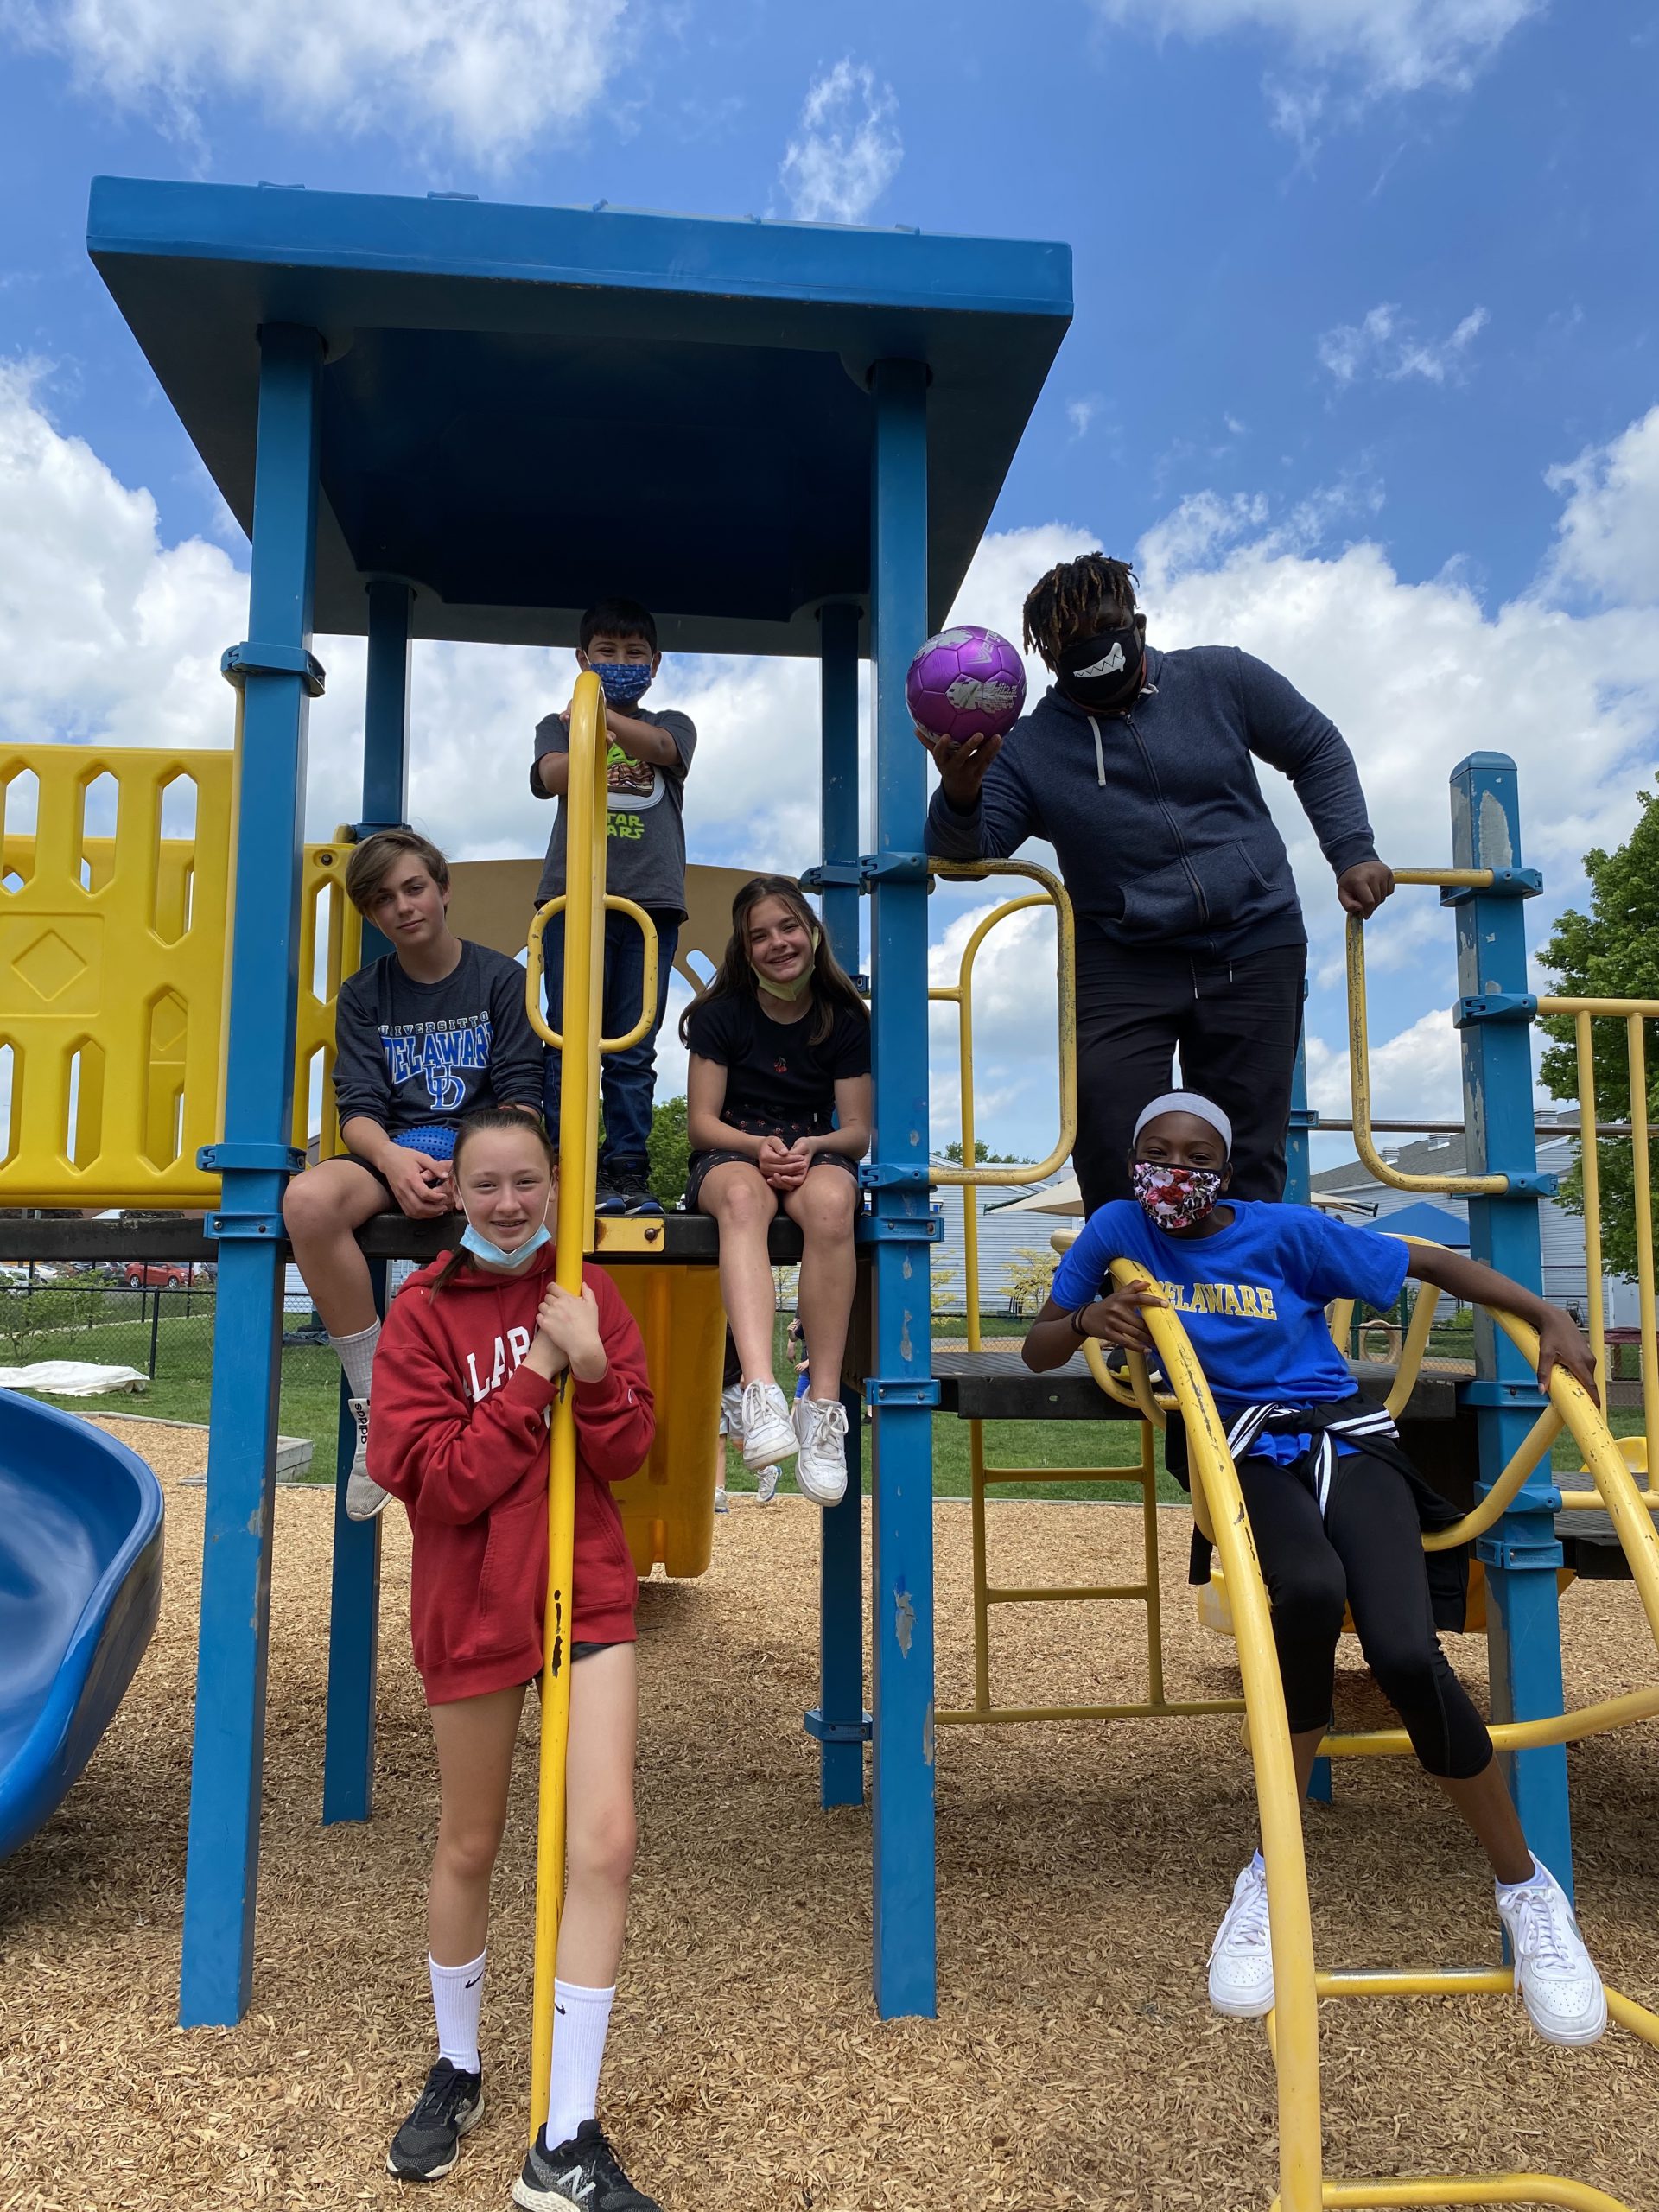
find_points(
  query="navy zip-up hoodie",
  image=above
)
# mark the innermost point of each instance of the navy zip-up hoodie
(1163, 835)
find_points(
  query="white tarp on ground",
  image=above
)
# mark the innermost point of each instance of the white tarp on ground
(72, 1378)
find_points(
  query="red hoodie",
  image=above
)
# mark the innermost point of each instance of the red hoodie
(459, 1431)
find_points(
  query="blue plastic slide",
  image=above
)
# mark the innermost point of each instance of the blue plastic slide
(80, 1585)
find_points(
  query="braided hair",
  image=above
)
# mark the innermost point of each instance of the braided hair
(1078, 597)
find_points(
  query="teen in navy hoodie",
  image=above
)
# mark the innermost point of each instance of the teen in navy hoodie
(1139, 767)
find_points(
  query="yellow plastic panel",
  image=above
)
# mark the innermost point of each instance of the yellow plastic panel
(111, 958)
(113, 952)
(668, 1508)
(329, 924)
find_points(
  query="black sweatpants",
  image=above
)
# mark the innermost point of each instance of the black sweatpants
(1367, 1553)
(1235, 1024)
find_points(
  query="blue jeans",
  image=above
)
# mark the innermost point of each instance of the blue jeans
(626, 1080)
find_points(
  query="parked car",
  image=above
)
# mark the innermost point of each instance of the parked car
(154, 1274)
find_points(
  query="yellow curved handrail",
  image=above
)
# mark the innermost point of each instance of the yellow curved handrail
(614, 904)
(1359, 1062)
(584, 985)
(961, 992)
(1293, 2027)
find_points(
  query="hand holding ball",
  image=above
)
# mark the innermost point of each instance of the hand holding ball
(965, 684)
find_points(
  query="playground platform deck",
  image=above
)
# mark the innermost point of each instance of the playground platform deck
(1075, 2064)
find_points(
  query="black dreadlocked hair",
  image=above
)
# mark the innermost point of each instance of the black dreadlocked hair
(1092, 593)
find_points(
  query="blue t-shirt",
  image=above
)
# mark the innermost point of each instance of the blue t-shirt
(1251, 1296)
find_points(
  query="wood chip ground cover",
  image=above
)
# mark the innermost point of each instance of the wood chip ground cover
(1074, 2064)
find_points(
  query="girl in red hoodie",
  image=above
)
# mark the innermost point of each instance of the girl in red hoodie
(473, 1352)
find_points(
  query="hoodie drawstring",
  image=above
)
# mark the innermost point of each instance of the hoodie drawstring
(1099, 755)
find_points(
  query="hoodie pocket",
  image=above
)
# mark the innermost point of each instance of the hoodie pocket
(511, 1578)
(1164, 904)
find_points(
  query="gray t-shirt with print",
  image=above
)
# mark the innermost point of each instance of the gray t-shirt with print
(645, 853)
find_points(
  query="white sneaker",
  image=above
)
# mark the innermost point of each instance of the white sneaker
(731, 1410)
(768, 1434)
(820, 1471)
(1554, 1972)
(723, 1504)
(364, 1499)
(1241, 1958)
(766, 1486)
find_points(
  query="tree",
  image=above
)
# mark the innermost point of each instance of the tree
(1610, 952)
(669, 1150)
(983, 1156)
(1031, 1277)
(943, 1296)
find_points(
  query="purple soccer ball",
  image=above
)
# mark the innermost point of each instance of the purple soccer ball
(966, 683)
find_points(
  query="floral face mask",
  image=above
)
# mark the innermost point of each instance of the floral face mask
(1175, 1198)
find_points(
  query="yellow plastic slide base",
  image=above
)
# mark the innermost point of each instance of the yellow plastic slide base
(668, 1508)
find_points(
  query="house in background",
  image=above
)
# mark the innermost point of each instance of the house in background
(1560, 1233)
(1002, 1234)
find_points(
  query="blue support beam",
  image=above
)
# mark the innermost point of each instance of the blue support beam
(355, 1601)
(1521, 1554)
(277, 677)
(840, 1718)
(902, 1389)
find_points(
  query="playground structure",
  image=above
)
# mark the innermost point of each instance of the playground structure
(315, 320)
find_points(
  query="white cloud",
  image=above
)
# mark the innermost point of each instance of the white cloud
(1419, 1071)
(1609, 538)
(1381, 345)
(104, 632)
(1080, 413)
(848, 149)
(1392, 45)
(487, 77)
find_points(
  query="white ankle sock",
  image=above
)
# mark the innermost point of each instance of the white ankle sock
(457, 2000)
(580, 2017)
(357, 1357)
(1538, 1879)
(1258, 1862)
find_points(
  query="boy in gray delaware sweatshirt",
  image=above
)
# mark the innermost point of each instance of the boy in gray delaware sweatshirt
(1139, 767)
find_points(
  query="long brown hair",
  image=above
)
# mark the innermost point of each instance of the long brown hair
(833, 989)
(484, 1123)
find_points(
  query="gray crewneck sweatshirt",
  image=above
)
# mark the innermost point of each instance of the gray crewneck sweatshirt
(1163, 835)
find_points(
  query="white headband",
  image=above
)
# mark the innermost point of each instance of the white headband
(1186, 1102)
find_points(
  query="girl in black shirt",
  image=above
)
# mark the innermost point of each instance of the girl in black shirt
(779, 1087)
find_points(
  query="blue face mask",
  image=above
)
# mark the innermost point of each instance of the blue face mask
(623, 681)
(478, 1245)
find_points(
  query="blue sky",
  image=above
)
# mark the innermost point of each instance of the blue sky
(1362, 368)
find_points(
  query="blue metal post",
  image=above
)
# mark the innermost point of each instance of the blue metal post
(840, 1722)
(1521, 1554)
(902, 1389)
(1299, 1186)
(354, 1603)
(278, 677)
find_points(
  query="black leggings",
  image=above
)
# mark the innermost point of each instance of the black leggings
(1366, 1553)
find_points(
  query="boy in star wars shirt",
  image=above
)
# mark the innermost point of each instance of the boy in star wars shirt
(644, 859)
(432, 1031)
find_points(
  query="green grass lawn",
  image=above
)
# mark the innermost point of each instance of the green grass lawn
(310, 1401)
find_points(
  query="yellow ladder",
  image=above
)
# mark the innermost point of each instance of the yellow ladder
(1293, 2028)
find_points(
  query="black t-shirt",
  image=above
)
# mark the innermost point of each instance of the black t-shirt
(773, 1068)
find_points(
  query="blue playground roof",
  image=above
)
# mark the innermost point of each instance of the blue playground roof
(526, 408)
(1437, 1224)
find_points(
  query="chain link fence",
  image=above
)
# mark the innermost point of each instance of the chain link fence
(155, 1318)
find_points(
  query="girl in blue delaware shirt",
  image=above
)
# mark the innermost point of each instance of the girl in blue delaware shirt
(1334, 1505)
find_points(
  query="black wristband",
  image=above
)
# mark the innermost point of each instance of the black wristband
(1077, 1329)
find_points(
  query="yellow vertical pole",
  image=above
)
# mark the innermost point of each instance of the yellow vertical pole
(1149, 1545)
(1589, 1167)
(982, 1611)
(584, 958)
(1642, 1200)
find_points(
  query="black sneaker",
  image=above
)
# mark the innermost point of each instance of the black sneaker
(428, 2144)
(608, 1196)
(636, 1198)
(581, 2175)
